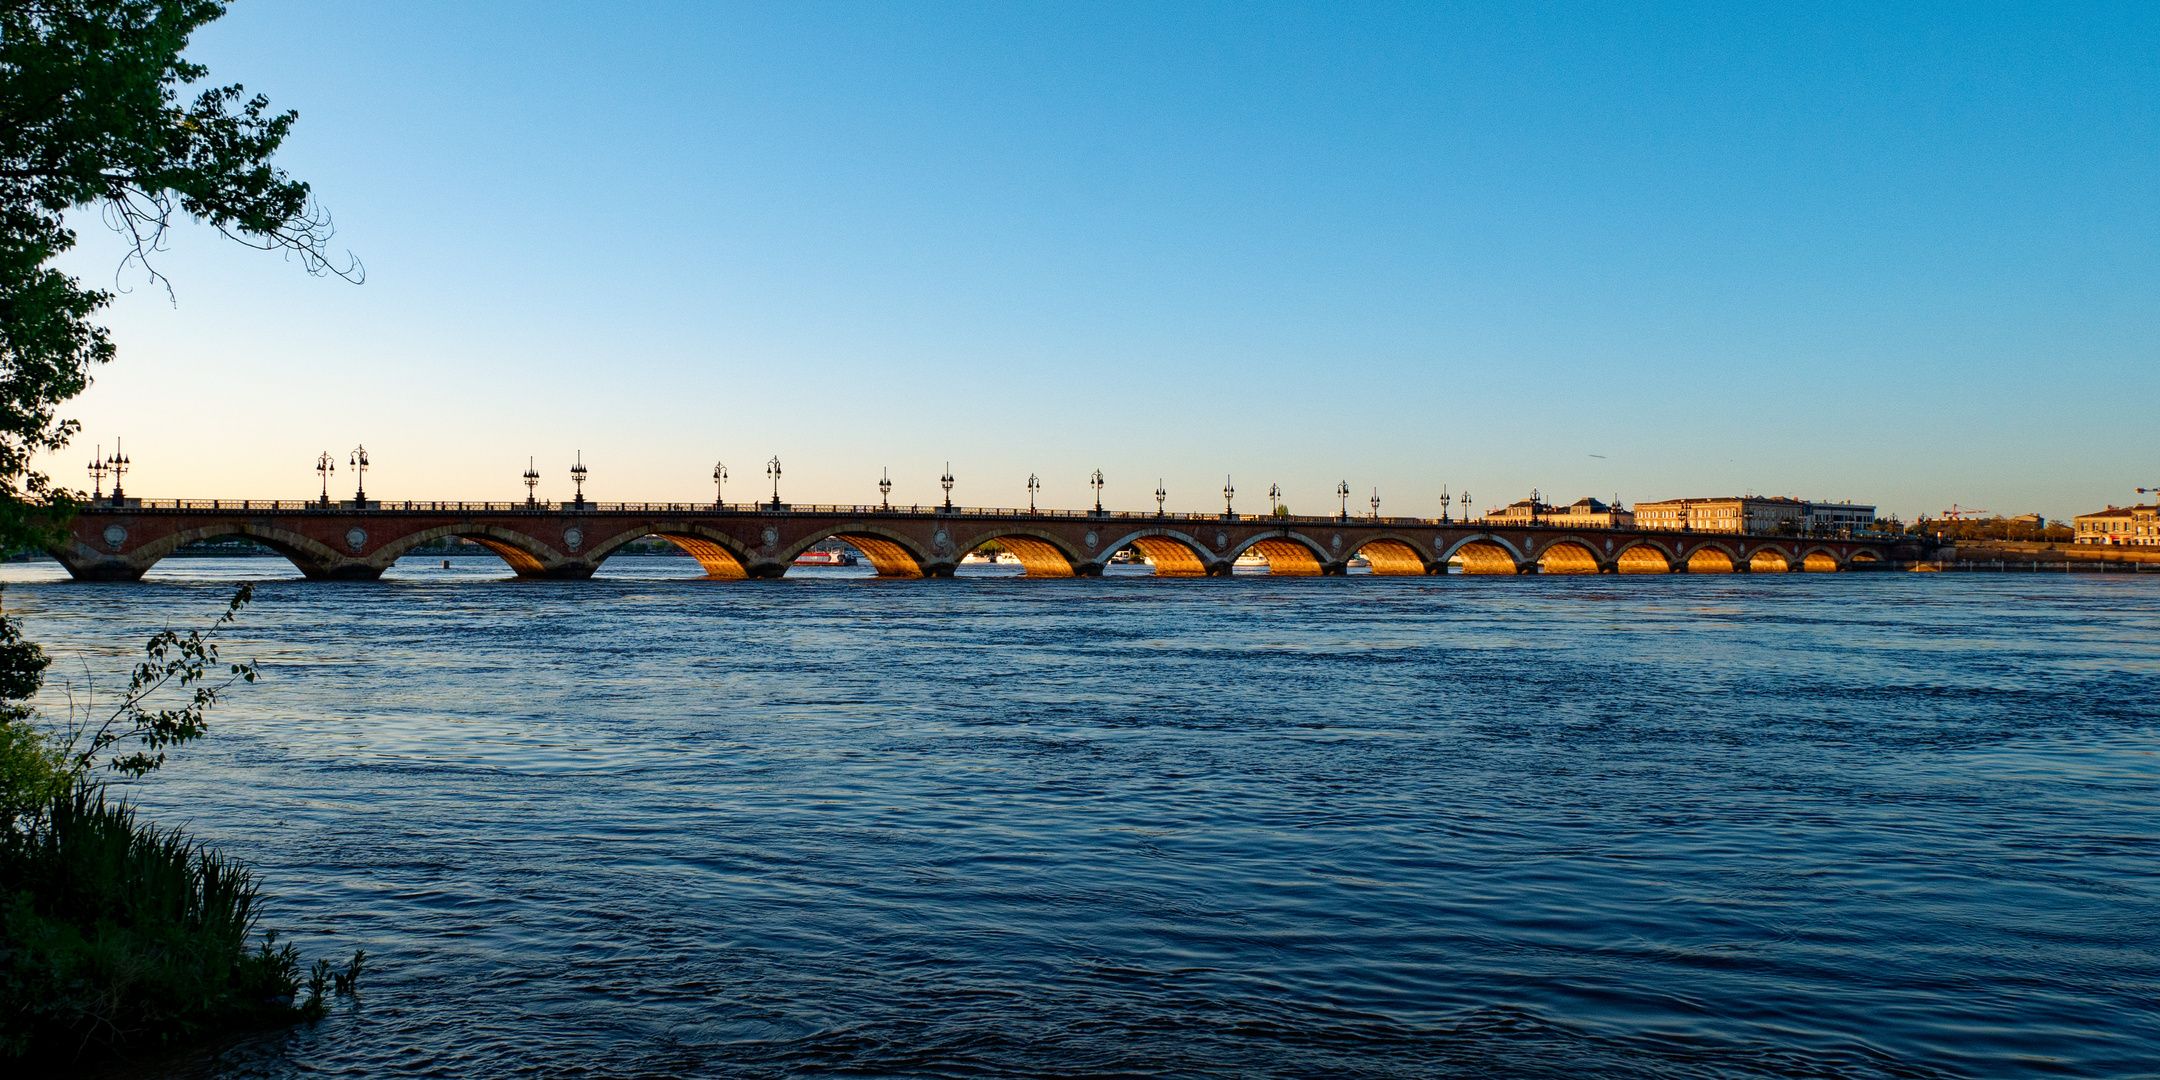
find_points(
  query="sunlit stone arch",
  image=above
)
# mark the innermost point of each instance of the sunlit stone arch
(526, 555)
(892, 552)
(1393, 554)
(1041, 554)
(1172, 552)
(1288, 553)
(1484, 553)
(1568, 555)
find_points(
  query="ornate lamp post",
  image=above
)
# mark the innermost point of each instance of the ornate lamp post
(98, 469)
(1274, 500)
(945, 482)
(884, 491)
(1466, 506)
(1034, 485)
(1444, 501)
(324, 466)
(772, 469)
(719, 481)
(1096, 482)
(1228, 492)
(1533, 506)
(1160, 495)
(577, 476)
(359, 463)
(117, 464)
(1376, 504)
(1342, 491)
(532, 483)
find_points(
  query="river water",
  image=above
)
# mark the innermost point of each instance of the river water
(1896, 825)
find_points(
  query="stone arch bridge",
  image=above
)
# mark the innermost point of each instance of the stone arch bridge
(567, 541)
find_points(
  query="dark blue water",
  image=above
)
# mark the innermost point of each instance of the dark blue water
(1897, 825)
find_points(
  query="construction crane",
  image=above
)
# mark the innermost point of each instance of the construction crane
(1955, 512)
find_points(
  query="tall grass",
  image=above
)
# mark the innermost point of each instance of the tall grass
(118, 936)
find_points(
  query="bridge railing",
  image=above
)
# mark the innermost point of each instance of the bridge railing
(1128, 517)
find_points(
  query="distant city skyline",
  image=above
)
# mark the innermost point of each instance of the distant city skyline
(1905, 257)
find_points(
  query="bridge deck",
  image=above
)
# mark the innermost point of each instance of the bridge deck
(347, 540)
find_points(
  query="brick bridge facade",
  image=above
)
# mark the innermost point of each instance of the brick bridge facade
(349, 541)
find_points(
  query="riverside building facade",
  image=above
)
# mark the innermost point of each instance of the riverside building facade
(1753, 514)
(1585, 513)
(1838, 518)
(2135, 526)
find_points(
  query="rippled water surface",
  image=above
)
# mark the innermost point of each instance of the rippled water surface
(1756, 825)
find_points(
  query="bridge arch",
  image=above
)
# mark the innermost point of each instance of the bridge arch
(311, 557)
(1568, 556)
(1712, 559)
(528, 557)
(1769, 560)
(1643, 557)
(893, 553)
(1393, 555)
(722, 556)
(1172, 553)
(1820, 561)
(1288, 554)
(1483, 553)
(1041, 554)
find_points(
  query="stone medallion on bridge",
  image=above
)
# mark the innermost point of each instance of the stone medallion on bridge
(115, 536)
(1092, 540)
(771, 535)
(1221, 540)
(356, 539)
(943, 540)
(1335, 542)
(573, 537)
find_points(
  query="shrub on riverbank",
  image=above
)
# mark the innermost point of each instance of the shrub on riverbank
(117, 936)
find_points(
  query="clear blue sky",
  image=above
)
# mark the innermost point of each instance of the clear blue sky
(1902, 254)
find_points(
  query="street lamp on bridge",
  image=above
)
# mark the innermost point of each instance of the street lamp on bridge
(1274, 501)
(1228, 492)
(1034, 485)
(359, 463)
(1444, 501)
(945, 482)
(98, 469)
(1342, 491)
(1096, 482)
(577, 476)
(719, 485)
(884, 490)
(117, 464)
(324, 466)
(1376, 504)
(772, 469)
(1160, 495)
(1533, 506)
(532, 482)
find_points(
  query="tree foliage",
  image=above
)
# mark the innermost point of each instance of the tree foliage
(93, 114)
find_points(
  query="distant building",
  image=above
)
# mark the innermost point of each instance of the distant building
(2120, 525)
(2034, 520)
(1521, 512)
(1754, 514)
(1583, 513)
(1838, 518)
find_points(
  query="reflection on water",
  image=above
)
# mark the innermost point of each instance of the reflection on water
(1770, 825)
